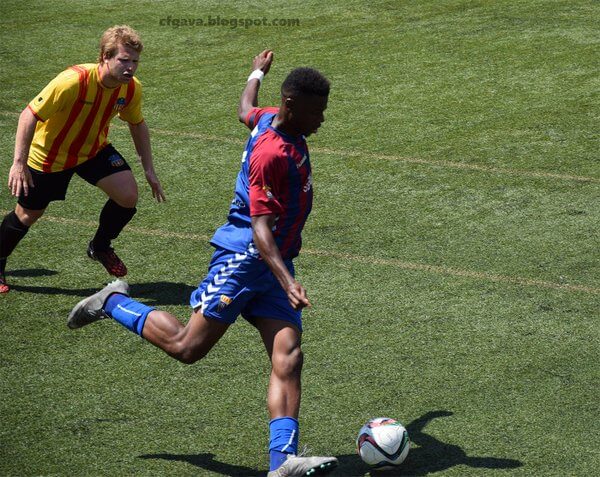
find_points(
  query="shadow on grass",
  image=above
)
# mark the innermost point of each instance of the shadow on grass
(162, 293)
(431, 456)
(31, 272)
(208, 462)
(152, 293)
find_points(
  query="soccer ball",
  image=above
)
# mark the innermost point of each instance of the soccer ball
(382, 442)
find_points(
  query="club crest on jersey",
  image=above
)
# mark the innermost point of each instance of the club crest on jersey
(224, 300)
(268, 192)
(119, 105)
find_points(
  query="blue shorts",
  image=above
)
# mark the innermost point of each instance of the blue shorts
(242, 284)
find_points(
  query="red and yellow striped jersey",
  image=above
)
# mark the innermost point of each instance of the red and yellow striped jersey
(74, 111)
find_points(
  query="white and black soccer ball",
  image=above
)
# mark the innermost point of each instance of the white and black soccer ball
(382, 442)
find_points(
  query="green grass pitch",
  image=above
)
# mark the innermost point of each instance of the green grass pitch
(452, 256)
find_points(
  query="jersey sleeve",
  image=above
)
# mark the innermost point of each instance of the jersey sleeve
(132, 112)
(266, 178)
(255, 114)
(60, 93)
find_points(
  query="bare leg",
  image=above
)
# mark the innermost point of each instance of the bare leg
(282, 342)
(186, 343)
(28, 217)
(120, 187)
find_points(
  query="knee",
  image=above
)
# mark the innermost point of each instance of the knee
(127, 198)
(288, 364)
(28, 217)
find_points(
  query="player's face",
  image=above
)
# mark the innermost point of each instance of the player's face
(122, 66)
(308, 113)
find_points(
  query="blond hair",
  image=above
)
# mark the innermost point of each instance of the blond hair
(119, 35)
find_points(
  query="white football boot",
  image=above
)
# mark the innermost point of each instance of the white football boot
(299, 466)
(90, 309)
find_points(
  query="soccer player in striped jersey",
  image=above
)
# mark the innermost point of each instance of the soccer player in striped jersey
(64, 131)
(251, 272)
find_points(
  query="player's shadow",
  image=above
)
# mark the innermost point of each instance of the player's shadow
(431, 455)
(208, 462)
(151, 293)
(161, 293)
(31, 272)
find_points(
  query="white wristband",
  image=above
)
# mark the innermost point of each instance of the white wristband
(256, 74)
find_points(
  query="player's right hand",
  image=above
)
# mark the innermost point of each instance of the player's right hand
(263, 61)
(19, 179)
(297, 296)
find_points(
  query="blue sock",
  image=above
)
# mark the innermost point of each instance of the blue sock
(130, 313)
(276, 459)
(283, 440)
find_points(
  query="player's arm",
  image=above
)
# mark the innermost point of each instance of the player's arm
(141, 138)
(262, 233)
(249, 98)
(19, 177)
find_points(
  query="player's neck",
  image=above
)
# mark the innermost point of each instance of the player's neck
(106, 78)
(285, 127)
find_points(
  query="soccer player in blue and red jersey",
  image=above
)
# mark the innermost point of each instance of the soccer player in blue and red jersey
(251, 272)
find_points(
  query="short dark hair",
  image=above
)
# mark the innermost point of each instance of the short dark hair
(305, 81)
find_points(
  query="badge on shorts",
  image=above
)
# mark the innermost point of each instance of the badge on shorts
(116, 160)
(223, 302)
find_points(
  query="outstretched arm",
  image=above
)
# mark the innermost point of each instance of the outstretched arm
(249, 98)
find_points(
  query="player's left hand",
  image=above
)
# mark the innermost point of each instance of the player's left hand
(157, 191)
(263, 61)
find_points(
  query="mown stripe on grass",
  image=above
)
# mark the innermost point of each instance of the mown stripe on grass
(410, 160)
(390, 262)
(461, 165)
(456, 272)
(387, 157)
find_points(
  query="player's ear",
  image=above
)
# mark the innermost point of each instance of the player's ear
(289, 102)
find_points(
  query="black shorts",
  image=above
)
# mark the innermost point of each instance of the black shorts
(51, 186)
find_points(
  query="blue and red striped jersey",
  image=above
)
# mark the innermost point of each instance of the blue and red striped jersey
(275, 178)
